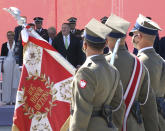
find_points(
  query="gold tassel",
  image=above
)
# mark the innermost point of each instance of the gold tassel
(65, 126)
(14, 128)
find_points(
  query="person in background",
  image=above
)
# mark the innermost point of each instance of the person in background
(103, 20)
(162, 47)
(11, 72)
(69, 46)
(21, 48)
(32, 25)
(17, 31)
(10, 45)
(72, 23)
(52, 35)
(42, 32)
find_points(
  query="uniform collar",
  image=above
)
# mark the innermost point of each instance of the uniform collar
(89, 57)
(97, 57)
(144, 49)
(73, 31)
(39, 30)
(122, 47)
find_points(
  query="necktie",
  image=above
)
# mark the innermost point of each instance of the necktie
(66, 42)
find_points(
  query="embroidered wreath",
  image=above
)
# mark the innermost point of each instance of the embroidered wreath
(39, 96)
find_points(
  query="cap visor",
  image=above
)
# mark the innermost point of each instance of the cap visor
(131, 32)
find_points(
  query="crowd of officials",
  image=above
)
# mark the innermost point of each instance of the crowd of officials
(97, 103)
(67, 42)
(70, 47)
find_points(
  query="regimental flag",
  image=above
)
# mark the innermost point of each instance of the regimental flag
(44, 93)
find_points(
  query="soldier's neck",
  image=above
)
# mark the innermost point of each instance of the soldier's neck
(144, 45)
(113, 45)
(90, 53)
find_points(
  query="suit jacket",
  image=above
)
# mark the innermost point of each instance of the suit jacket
(4, 49)
(162, 47)
(156, 67)
(44, 34)
(74, 53)
(124, 62)
(91, 89)
(76, 32)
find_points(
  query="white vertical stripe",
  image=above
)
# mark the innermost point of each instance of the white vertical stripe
(133, 98)
(148, 88)
(130, 82)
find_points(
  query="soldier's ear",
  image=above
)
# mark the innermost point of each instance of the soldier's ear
(106, 41)
(85, 45)
(106, 44)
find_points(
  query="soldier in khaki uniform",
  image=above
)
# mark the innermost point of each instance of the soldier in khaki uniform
(124, 62)
(145, 31)
(95, 85)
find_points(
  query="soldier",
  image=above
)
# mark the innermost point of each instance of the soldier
(95, 85)
(145, 31)
(42, 32)
(134, 77)
(72, 22)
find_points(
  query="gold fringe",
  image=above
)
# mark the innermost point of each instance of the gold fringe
(14, 128)
(65, 126)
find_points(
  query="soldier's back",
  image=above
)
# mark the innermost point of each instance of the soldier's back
(156, 67)
(124, 62)
(102, 80)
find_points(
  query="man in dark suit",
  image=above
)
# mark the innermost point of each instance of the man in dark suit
(52, 34)
(69, 46)
(42, 32)
(17, 31)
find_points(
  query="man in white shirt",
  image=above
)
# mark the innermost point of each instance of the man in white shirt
(69, 46)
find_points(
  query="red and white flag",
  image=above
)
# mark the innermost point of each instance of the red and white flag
(44, 93)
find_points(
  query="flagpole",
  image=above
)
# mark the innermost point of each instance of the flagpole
(115, 52)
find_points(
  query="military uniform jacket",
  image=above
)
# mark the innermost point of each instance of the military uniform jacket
(124, 62)
(94, 83)
(156, 67)
(44, 34)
